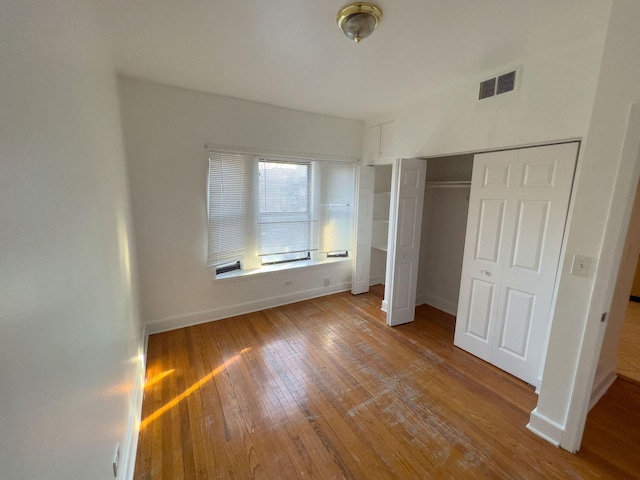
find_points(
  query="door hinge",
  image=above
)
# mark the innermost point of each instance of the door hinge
(604, 317)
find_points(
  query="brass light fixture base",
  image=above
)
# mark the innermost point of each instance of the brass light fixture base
(358, 20)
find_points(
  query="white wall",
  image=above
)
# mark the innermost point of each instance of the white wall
(166, 129)
(69, 334)
(553, 102)
(606, 182)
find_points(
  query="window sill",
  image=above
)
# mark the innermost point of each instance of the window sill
(238, 275)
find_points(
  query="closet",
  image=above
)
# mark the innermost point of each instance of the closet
(444, 222)
(380, 223)
(477, 236)
(492, 229)
(374, 196)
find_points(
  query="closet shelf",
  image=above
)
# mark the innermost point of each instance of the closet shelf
(382, 193)
(381, 220)
(454, 184)
(382, 248)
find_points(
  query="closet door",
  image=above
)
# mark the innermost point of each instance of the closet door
(484, 251)
(537, 216)
(405, 221)
(364, 209)
(518, 208)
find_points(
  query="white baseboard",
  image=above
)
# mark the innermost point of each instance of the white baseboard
(379, 281)
(440, 303)
(130, 447)
(545, 428)
(196, 318)
(601, 386)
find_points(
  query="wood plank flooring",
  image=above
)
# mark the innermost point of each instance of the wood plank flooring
(629, 346)
(324, 389)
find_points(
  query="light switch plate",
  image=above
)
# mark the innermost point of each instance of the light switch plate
(580, 265)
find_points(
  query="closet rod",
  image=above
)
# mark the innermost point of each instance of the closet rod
(448, 184)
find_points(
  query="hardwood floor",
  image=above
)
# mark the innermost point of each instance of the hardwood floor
(324, 389)
(629, 347)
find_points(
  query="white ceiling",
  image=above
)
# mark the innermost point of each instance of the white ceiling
(290, 52)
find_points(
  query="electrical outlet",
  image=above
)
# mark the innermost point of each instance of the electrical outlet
(288, 283)
(116, 460)
(327, 282)
(580, 266)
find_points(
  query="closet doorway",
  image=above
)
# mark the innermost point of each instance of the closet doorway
(444, 223)
(390, 199)
(490, 250)
(478, 236)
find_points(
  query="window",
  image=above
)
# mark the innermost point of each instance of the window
(284, 205)
(264, 211)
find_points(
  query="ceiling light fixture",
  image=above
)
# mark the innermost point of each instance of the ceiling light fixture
(358, 20)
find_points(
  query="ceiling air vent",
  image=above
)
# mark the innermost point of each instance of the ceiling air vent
(503, 83)
(487, 88)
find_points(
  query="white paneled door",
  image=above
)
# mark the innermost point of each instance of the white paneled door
(517, 213)
(364, 209)
(405, 221)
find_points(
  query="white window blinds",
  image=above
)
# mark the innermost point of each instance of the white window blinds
(229, 194)
(264, 210)
(336, 206)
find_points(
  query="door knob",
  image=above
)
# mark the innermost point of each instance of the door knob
(405, 256)
(485, 272)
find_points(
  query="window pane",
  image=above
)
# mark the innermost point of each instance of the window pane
(284, 208)
(284, 237)
(283, 187)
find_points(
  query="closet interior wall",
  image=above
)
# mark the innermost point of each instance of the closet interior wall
(380, 226)
(444, 223)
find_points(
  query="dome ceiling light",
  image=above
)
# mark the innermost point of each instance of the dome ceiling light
(358, 20)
